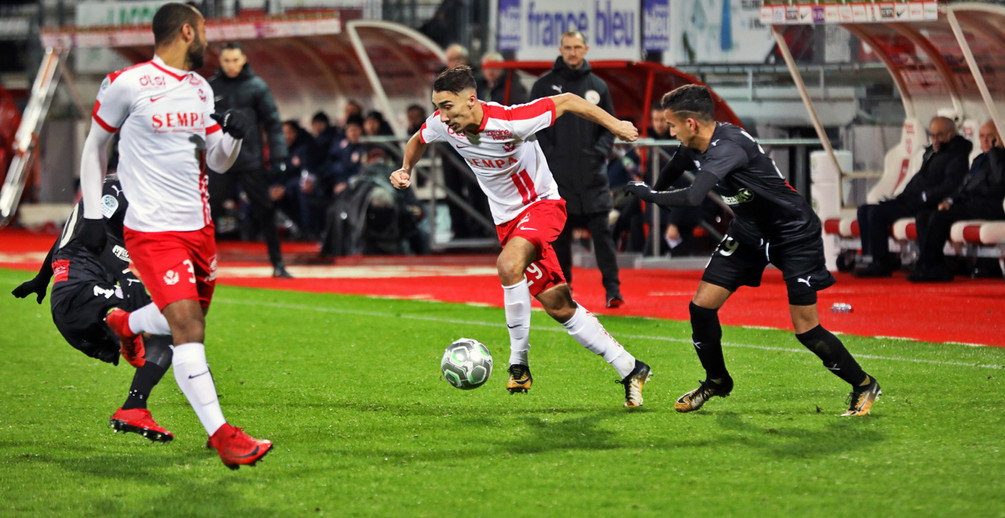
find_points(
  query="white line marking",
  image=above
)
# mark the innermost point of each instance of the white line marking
(562, 330)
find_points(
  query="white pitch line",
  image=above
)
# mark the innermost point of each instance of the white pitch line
(555, 330)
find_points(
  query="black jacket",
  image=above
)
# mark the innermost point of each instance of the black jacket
(576, 148)
(497, 92)
(985, 186)
(940, 175)
(248, 93)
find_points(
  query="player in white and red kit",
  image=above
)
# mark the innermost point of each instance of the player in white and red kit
(498, 144)
(164, 113)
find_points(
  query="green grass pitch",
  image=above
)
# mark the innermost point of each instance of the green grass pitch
(349, 390)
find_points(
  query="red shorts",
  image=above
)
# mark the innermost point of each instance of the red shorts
(175, 265)
(541, 223)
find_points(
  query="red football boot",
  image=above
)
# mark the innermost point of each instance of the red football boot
(139, 420)
(236, 447)
(131, 343)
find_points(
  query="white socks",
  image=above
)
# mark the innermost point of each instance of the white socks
(517, 301)
(196, 382)
(149, 319)
(589, 332)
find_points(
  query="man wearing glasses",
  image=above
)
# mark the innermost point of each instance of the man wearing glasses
(942, 170)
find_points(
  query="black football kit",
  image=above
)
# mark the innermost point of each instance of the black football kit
(86, 286)
(772, 222)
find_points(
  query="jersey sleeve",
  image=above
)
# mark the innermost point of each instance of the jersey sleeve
(113, 102)
(210, 106)
(432, 129)
(723, 158)
(527, 119)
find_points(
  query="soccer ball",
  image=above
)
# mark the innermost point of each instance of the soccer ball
(466, 364)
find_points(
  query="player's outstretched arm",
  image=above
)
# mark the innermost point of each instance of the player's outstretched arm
(687, 197)
(40, 283)
(221, 151)
(402, 178)
(93, 160)
(573, 103)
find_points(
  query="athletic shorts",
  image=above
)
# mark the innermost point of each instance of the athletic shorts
(80, 300)
(175, 265)
(802, 263)
(541, 223)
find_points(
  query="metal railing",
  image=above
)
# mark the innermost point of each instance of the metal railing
(430, 170)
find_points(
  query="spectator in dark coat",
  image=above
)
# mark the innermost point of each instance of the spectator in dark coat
(979, 197)
(577, 151)
(236, 87)
(941, 173)
(492, 83)
(346, 157)
(297, 197)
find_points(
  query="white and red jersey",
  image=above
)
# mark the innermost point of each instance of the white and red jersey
(504, 155)
(163, 114)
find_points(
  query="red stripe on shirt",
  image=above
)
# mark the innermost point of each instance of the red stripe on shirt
(520, 111)
(94, 113)
(420, 132)
(114, 75)
(168, 72)
(212, 129)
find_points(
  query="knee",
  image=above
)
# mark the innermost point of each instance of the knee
(510, 269)
(188, 330)
(700, 314)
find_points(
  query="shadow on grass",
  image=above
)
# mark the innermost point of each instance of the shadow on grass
(178, 479)
(833, 436)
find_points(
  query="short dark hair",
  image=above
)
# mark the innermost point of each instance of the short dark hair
(354, 120)
(694, 101)
(170, 18)
(232, 45)
(455, 80)
(321, 117)
(415, 107)
(293, 123)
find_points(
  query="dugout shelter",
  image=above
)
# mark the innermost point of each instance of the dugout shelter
(311, 62)
(945, 58)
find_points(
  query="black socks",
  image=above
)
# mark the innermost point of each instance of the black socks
(836, 358)
(706, 334)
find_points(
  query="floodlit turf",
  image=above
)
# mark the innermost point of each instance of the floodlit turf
(349, 390)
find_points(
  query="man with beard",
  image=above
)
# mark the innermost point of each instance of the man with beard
(169, 133)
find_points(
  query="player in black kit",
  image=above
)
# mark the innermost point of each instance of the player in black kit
(772, 223)
(86, 288)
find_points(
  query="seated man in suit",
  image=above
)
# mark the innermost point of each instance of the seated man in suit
(942, 170)
(979, 197)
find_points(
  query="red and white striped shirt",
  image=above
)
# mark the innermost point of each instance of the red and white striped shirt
(163, 114)
(504, 154)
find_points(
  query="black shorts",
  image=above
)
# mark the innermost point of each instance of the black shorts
(734, 264)
(79, 306)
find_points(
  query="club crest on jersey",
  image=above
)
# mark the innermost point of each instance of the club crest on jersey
(744, 195)
(202, 95)
(109, 205)
(593, 96)
(171, 278)
(509, 146)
